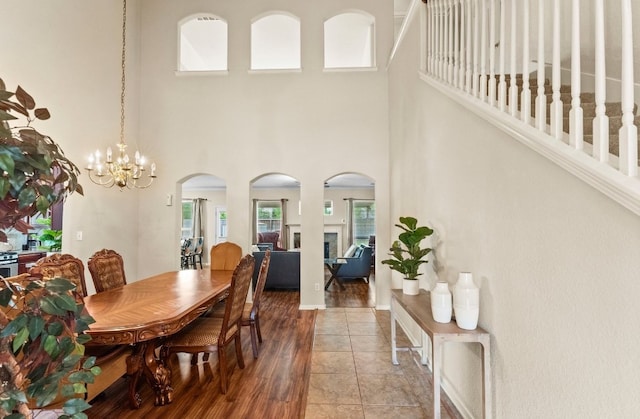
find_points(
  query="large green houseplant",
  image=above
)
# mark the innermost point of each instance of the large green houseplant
(406, 253)
(41, 323)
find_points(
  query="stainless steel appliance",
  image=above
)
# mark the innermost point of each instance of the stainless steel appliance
(8, 264)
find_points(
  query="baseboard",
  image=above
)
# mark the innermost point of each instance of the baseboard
(455, 398)
(312, 307)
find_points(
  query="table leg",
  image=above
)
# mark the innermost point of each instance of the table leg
(144, 361)
(394, 349)
(486, 377)
(435, 367)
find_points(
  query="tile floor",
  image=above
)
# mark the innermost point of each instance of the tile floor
(352, 375)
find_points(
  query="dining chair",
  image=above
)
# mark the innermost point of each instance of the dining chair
(251, 311)
(196, 256)
(61, 266)
(107, 270)
(210, 334)
(185, 253)
(225, 256)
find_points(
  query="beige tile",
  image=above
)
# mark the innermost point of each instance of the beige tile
(361, 316)
(332, 363)
(333, 389)
(404, 412)
(329, 315)
(370, 344)
(331, 343)
(386, 389)
(358, 310)
(375, 363)
(334, 327)
(364, 328)
(332, 411)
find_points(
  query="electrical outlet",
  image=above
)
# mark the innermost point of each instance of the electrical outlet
(317, 286)
(78, 235)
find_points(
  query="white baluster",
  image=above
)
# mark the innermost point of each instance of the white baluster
(483, 53)
(601, 121)
(556, 103)
(445, 41)
(456, 45)
(628, 131)
(513, 86)
(436, 63)
(492, 53)
(463, 48)
(443, 31)
(541, 99)
(429, 38)
(468, 32)
(502, 86)
(450, 48)
(525, 96)
(575, 114)
(476, 47)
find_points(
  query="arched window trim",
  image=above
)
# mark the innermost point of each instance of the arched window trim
(188, 73)
(275, 70)
(373, 66)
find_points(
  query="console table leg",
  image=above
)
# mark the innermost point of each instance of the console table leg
(486, 377)
(394, 350)
(424, 359)
(437, 362)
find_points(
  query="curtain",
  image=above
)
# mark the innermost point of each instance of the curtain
(254, 220)
(349, 221)
(284, 239)
(199, 221)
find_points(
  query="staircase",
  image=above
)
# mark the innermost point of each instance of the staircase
(587, 102)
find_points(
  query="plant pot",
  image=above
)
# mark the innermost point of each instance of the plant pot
(441, 307)
(410, 286)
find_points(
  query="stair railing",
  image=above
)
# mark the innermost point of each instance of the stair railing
(461, 49)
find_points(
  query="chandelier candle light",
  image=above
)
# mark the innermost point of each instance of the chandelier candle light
(121, 172)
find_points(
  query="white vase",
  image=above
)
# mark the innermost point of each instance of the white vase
(441, 305)
(466, 302)
(410, 286)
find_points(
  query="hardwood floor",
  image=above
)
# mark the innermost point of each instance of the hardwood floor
(273, 386)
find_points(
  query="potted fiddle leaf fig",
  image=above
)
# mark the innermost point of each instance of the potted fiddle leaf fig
(407, 254)
(41, 322)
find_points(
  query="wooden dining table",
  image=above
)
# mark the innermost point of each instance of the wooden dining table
(144, 312)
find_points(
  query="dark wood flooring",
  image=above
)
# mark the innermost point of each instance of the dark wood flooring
(273, 386)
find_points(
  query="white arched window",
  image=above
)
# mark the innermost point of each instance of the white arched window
(349, 40)
(275, 42)
(202, 43)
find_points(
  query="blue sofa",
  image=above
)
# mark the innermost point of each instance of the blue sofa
(358, 266)
(284, 270)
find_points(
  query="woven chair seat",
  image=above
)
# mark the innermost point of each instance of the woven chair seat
(202, 332)
(218, 311)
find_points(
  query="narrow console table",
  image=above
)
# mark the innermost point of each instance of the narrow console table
(419, 308)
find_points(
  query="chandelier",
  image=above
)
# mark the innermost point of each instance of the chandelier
(119, 169)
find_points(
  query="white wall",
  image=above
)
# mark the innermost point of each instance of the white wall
(310, 125)
(557, 262)
(66, 54)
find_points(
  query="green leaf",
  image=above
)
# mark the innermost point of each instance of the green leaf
(36, 325)
(20, 339)
(16, 324)
(59, 285)
(82, 339)
(55, 328)
(96, 370)
(51, 345)
(7, 163)
(89, 362)
(47, 303)
(5, 295)
(65, 302)
(71, 360)
(76, 405)
(81, 377)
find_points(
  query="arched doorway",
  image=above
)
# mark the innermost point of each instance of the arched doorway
(349, 228)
